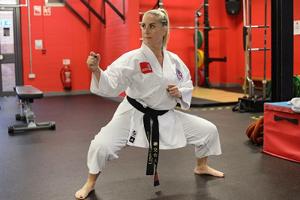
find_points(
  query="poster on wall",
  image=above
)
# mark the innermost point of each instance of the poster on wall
(47, 11)
(297, 27)
(37, 10)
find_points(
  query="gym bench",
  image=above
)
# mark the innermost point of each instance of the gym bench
(26, 95)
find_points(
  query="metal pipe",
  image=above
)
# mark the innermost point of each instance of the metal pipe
(246, 41)
(198, 27)
(29, 37)
(250, 81)
(250, 37)
(264, 82)
(258, 26)
(196, 47)
(259, 49)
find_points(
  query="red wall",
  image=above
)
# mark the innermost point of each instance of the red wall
(65, 36)
(118, 37)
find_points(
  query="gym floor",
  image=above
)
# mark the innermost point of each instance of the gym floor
(52, 164)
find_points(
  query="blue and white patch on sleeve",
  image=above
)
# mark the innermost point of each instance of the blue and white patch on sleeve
(179, 74)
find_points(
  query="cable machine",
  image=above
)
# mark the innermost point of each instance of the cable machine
(252, 102)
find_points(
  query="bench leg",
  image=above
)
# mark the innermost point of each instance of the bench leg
(28, 117)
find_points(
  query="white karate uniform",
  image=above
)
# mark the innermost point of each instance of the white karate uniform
(139, 73)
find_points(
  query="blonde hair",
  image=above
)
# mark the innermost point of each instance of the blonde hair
(164, 19)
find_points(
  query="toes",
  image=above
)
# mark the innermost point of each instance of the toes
(79, 195)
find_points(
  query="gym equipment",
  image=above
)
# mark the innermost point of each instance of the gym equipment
(200, 58)
(281, 131)
(252, 102)
(233, 6)
(198, 40)
(26, 95)
(207, 57)
(199, 37)
(199, 27)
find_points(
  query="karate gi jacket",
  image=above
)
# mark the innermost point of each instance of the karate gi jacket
(140, 75)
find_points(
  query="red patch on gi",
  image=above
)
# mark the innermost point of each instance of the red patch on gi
(145, 67)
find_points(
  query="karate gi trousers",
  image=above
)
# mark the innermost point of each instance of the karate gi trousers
(114, 136)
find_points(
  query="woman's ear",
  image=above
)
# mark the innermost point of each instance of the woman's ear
(165, 28)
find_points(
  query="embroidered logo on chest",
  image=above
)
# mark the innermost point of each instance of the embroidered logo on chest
(179, 74)
(145, 67)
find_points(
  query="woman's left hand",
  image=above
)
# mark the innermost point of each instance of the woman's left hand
(174, 91)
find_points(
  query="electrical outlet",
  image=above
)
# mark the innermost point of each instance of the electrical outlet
(31, 76)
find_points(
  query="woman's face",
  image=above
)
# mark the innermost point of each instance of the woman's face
(152, 30)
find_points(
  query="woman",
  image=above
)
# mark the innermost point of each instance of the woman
(155, 80)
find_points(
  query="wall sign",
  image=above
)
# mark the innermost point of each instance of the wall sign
(297, 27)
(37, 10)
(47, 11)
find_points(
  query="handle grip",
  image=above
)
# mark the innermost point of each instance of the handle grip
(291, 120)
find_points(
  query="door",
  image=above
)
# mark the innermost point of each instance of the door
(10, 49)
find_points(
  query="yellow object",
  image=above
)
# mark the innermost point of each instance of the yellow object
(200, 58)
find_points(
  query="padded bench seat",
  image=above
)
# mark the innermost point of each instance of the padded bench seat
(28, 92)
(26, 95)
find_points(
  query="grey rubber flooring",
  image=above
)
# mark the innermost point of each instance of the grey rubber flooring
(43, 165)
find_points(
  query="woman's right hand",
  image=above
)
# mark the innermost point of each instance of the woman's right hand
(93, 61)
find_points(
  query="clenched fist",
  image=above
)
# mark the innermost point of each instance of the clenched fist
(93, 61)
(174, 91)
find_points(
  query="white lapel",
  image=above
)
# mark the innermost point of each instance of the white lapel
(169, 69)
(149, 56)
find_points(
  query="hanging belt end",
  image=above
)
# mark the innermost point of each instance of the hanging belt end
(156, 180)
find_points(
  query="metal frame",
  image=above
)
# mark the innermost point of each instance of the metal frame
(26, 95)
(17, 47)
(207, 58)
(248, 48)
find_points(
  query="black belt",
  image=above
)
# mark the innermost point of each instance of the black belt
(152, 134)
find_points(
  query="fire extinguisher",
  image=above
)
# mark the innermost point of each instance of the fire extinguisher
(65, 77)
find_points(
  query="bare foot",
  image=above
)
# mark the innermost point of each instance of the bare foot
(84, 191)
(209, 171)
